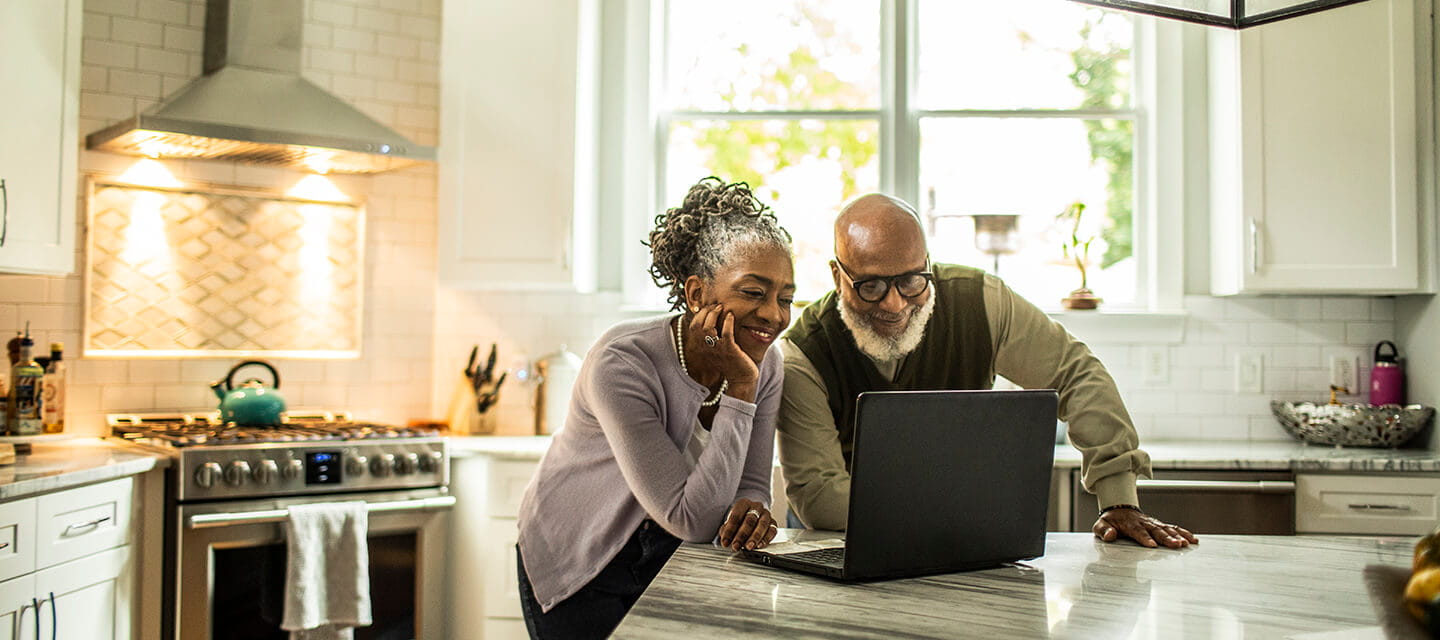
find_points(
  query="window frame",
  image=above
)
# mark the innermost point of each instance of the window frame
(1156, 107)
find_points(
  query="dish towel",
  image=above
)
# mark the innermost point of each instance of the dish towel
(327, 574)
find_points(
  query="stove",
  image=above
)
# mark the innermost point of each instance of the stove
(228, 491)
(323, 452)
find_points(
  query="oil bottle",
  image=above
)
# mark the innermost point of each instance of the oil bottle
(52, 407)
(26, 389)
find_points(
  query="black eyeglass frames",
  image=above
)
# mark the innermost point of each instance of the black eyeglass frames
(909, 285)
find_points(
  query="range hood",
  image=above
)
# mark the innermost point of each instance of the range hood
(252, 105)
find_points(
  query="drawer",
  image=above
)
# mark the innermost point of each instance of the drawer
(17, 538)
(82, 521)
(506, 486)
(1370, 504)
(501, 571)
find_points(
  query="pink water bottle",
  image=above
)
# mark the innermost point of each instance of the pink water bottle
(1387, 378)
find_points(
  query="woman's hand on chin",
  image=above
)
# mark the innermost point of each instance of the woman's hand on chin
(749, 526)
(719, 358)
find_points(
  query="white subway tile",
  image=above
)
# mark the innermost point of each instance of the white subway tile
(1311, 383)
(416, 71)
(213, 172)
(1278, 380)
(1295, 356)
(353, 39)
(1292, 309)
(81, 398)
(353, 87)
(184, 397)
(1382, 309)
(1249, 308)
(1272, 333)
(155, 372)
(95, 26)
(430, 50)
(332, 61)
(187, 39)
(1320, 332)
(127, 398)
(377, 67)
(166, 11)
(163, 61)
(1225, 428)
(23, 290)
(1222, 332)
(333, 13)
(1345, 309)
(423, 27)
(1368, 333)
(1217, 380)
(135, 83)
(1173, 428)
(108, 54)
(112, 7)
(140, 32)
(96, 371)
(414, 117)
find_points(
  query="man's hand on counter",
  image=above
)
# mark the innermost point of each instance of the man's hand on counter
(1134, 524)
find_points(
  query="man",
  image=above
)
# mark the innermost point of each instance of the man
(895, 321)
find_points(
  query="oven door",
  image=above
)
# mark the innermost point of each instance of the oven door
(229, 576)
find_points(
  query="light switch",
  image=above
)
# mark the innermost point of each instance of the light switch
(1249, 372)
(1155, 363)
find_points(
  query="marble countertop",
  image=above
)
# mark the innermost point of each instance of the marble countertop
(53, 465)
(1227, 586)
(1257, 456)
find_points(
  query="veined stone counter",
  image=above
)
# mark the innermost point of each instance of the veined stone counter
(1273, 456)
(54, 465)
(507, 447)
(1225, 587)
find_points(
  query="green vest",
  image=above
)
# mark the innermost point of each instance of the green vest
(954, 354)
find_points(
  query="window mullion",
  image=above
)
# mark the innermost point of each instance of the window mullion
(899, 125)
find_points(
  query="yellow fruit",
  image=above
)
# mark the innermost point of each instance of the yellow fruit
(1424, 586)
(1427, 553)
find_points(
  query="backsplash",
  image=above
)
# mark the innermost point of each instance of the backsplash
(1295, 338)
(380, 55)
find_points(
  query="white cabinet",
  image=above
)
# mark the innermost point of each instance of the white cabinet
(1380, 504)
(517, 109)
(484, 594)
(1313, 143)
(40, 73)
(78, 583)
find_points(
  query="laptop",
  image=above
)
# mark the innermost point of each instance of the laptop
(940, 481)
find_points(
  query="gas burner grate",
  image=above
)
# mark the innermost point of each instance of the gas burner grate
(203, 430)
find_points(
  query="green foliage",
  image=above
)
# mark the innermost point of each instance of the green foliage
(1077, 248)
(1099, 73)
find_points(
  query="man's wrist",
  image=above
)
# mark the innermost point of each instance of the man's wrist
(1132, 507)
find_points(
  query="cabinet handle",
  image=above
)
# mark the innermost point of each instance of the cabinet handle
(83, 525)
(1381, 507)
(1254, 246)
(37, 602)
(1220, 486)
(4, 212)
(54, 622)
(20, 622)
(4, 545)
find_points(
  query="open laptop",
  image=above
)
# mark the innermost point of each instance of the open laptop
(940, 481)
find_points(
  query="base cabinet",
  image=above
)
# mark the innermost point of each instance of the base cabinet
(484, 529)
(1367, 504)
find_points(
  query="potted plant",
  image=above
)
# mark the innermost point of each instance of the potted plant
(1078, 250)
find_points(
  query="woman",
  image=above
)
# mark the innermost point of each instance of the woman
(671, 425)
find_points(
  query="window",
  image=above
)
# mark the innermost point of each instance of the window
(963, 108)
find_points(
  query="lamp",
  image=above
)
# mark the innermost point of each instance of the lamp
(995, 235)
(1235, 14)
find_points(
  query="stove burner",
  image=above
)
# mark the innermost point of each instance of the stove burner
(179, 434)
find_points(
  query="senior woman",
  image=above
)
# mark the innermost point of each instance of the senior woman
(671, 426)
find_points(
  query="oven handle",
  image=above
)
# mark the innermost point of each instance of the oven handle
(213, 520)
(1218, 486)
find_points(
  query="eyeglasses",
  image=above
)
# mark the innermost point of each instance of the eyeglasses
(875, 289)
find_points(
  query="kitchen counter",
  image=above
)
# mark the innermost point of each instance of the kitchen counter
(1254, 456)
(54, 465)
(1227, 586)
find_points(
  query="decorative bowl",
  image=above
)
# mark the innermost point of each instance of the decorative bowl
(1352, 425)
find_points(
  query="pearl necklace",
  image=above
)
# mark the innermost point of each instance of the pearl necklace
(680, 348)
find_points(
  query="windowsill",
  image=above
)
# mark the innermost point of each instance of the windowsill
(1123, 327)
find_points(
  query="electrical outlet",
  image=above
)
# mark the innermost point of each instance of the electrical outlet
(1249, 372)
(1342, 373)
(1155, 363)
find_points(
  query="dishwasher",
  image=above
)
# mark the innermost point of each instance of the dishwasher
(1251, 502)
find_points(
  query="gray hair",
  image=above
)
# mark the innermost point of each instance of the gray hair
(716, 223)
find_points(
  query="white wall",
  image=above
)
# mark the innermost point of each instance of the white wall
(382, 56)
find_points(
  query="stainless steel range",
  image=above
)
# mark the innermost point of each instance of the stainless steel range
(227, 493)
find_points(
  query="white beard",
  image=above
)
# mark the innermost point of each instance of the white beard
(883, 348)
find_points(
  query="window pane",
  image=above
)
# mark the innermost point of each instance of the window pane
(1033, 168)
(1023, 54)
(743, 55)
(804, 169)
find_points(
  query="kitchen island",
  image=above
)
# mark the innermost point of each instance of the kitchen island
(1225, 587)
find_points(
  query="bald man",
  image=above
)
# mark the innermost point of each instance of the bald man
(897, 321)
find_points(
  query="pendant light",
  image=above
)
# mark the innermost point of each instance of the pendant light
(1235, 14)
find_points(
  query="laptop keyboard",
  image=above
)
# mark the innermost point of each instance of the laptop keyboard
(830, 557)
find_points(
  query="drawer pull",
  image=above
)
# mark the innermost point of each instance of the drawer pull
(4, 545)
(1217, 486)
(79, 526)
(1381, 507)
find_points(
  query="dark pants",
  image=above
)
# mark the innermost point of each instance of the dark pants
(596, 609)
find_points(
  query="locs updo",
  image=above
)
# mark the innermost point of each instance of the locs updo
(716, 222)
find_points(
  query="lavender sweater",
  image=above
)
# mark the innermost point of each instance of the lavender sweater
(621, 458)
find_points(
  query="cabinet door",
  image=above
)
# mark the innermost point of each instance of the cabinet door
(17, 608)
(502, 582)
(91, 597)
(39, 72)
(1313, 153)
(514, 156)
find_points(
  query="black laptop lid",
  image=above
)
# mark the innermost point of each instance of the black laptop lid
(947, 480)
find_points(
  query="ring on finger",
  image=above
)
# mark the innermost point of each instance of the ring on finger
(711, 341)
(753, 512)
(772, 526)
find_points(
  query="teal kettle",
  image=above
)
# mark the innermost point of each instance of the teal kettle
(250, 403)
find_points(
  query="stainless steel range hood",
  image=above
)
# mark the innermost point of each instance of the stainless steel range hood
(252, 105)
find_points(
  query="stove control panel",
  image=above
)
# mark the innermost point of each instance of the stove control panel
(279, 469)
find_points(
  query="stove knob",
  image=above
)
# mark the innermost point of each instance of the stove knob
(266, 471)
(238, 473)
(407, 464)
(292, 469)
(430, 462)
(382, 465)
(206, 475)
(355, 465)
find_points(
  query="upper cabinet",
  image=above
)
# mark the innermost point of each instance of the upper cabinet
(517, 106)
(40, 71)
(1313, 148)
